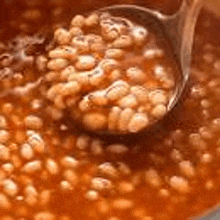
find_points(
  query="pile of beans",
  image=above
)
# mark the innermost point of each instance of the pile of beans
(110, 73)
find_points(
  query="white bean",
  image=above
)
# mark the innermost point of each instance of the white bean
(125, 118)
(92, 195)
(114, 53)
(85, 105)
(71, 177)
(96, 43)
(141, 93)
(117, 149)
(96, 77)
(54, 91)
(136, 74)
(180, 184)
(4, 202)
(98, 98)
(109, 65)
(160, 72)
(64, 74)
(8, 168)
(78, 21)
(168, 83)
(7, 108)
(98, 48)
(82, 142)
(122, 204)
(37, 143)
(27, 151)
(70, 88)
(33, 122)
(114, 116)
(100, 184)
(187, 168)
(123, 41)
(55, 114)
(104, 15)
(92, 20)
(69, 162)
(109, 30)
(108, 169)
(97, 147)
(85, 62)
(45, 197)
(10, 187)
(52, 76)
(82, 78)
(124, 168)
(94, 38)
(158, 97)
(153, 53)
(138, 122)
(117, 90)
(62, 36)
(115, 75)
(81, 43)
(95, 121)
(4, 136)
(59, 102)
(32, 167)
(3, 122)
(64, 52)
(113, 27)
(75, 31)
(52, 166)
(159, 111)
(152, 177)
(4, 153)
(139, 34)
(65, 185)
(44, 215)
(125, 187)
(57, 64)
(128, 101)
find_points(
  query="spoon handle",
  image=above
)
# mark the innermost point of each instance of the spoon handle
(188, 35)
(181, 28)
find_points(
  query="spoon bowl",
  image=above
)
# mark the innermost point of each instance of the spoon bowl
(177, 30)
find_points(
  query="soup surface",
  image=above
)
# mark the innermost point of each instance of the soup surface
(50, 168)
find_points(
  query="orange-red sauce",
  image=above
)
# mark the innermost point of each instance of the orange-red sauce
(49, 169)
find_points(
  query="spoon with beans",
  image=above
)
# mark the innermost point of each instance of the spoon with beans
(122, 68)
